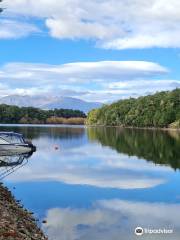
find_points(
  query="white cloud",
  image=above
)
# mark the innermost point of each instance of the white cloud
(16, 29)
(61, 29)
(110, 219)
(141, 40)
(118, 24)
(105, 80)
(136, 88)
(82, 71)
(122, 90)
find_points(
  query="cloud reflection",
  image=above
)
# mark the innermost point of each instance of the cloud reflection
(112, 219)
(90, 164)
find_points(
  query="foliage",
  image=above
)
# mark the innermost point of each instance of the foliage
(158, 110)
(60, 120)
(14, 114)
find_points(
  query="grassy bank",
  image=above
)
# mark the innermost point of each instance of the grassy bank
(56, 120)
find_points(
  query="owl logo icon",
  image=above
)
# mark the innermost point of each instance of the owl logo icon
(139, 231)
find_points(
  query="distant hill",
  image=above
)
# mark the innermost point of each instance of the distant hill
(49, 102)
(159, 110)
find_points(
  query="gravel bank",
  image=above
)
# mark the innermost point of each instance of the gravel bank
(16, 223)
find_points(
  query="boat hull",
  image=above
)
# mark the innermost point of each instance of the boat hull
(15, 149)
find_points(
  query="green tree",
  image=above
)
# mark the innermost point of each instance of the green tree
(158, 110)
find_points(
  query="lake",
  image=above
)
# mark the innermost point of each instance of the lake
(100, 183)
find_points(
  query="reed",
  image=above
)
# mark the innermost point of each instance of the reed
(60, 120)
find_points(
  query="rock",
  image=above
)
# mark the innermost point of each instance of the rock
(16, 223)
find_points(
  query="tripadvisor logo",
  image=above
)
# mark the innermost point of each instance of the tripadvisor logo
(139, 231)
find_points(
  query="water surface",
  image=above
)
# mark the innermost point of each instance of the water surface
(100, 183)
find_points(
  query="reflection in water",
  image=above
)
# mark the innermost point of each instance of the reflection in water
(160, 147)
(12, 162)
(90, 165)
(54, 132)
(113, 220)
(101, 183)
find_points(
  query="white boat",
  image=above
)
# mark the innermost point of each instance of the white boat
(14, 143)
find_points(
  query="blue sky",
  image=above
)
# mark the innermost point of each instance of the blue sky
(94, 50)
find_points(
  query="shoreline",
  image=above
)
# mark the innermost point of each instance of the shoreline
(84, 125)
(141, 128)
(40, 124)
(16, 222)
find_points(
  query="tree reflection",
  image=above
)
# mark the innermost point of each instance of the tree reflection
(55, 132)
(161, 147)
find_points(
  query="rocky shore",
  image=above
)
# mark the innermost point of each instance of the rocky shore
(16, 223)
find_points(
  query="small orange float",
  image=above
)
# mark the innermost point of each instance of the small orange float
(56, 147)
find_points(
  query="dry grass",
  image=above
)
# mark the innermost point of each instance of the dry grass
(60, 120)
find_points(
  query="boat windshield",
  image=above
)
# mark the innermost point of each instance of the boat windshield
(11, 138)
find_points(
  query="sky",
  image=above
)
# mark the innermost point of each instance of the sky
(95, 50)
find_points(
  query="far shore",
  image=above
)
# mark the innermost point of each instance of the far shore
(54, 121)
(143, 128)
(84, 125)
(40, 124)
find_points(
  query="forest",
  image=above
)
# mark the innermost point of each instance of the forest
(14, 114)
(158, 110)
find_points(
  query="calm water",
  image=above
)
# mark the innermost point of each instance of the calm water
(101, 183)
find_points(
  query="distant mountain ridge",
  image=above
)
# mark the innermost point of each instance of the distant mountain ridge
(50, 102)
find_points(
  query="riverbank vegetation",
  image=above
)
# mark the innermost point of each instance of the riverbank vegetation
(29, 115)
(159, 110)
(71, 120)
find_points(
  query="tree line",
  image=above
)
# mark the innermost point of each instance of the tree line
(14, 114)
(159, 110)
